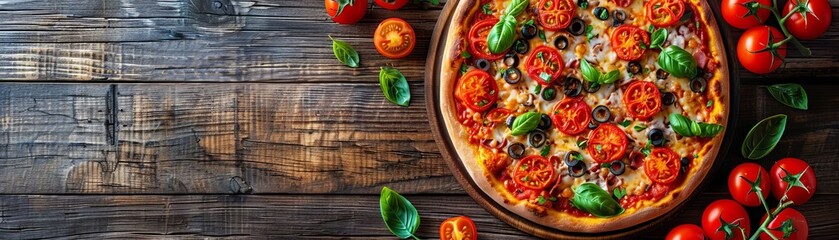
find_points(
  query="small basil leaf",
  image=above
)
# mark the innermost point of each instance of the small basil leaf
(345, 53)
(591, 198)
(502, 35)
(658, 37)
(790, 94)
(681, 124)
(516, 7)
(709, 130)
(589, 72)
(394, 86)
(525, 123)
(610, 77)
(677, 62)
(400, 216)
(689, 128)
(763, 137)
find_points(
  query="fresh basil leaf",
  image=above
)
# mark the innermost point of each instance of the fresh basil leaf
(582, 144)
(681, 124)
(545, 151)
(516, 7)
(790, 94)
(677, 62)
(591, 198)
(525, 123)
(639, 127)
(619, 192)
(590, 32)
(589, 72)
(345, 53)
(394, 86)
(709, 130)
(502, 35)
(625, 123)
(542, 36)
(400, 216)
(537, 89)
(610, 77)
(658, 37)
(763, 137)
(486, 9)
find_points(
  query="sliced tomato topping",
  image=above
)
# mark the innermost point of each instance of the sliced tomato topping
(394, 38)
(606, 143)
(477, 90)
(627, 42)
(664, 13)
(458, 228)
(556, 14)
(478, 40)
(498, 115)
(662, 166)
(571, 116)
(534, 172)
(642, 99)
(545, 65)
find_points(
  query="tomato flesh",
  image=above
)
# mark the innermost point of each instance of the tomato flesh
(545, 65)
(626, 42)
(606, 143)
(571, 116)
(556, 14)
(534, 172)
(798, 195)
(642, 99)
(394, 38)
(477, 90)
(741, 190)
(662, 165)
(391, 4)
(478, 46)
(664, 13)
(498, 115)
(352, 12)
(819, 17)
(458, 228)
(752, 53)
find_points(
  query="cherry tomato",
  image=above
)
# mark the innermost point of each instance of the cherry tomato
(571, 116)
(732, 213)
(394, 38)
(498, 115)
(664, 13)
(458, 228)
(556, 14)
(607, 143)
(796, 168)
(752, 52)
(662, 165)
(353, 11)
(477, 90)
(534, 172)
(626, 42)
(544, 65)
(737, 14)
(642, 99)
(686, 232)
(741, 190)
(478, 40)
(391, 4)
(790, 224)
(819, 16)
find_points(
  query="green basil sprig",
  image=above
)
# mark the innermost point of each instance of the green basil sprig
(591, 198)
(658, 38)
(525, 123)
(591, 74)
(763, 137)
(689, 128)
(345, 53)
(503, 34)
(395, 86)
(790, 94)
(400, 216)
(677, 62)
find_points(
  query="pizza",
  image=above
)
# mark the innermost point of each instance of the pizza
(584, 115)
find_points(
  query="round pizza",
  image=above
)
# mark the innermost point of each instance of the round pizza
(585, 115)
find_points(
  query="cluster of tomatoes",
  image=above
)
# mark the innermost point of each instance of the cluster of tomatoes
(727, 219)
(394, 38)
(762, 48)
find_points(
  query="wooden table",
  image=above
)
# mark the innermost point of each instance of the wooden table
(199, 118)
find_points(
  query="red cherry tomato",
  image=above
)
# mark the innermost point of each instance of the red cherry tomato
(353, 11)
(642, 99)
(477, 90)
(752, 52)
(662, 166)
(795, 229)
(571, 116)
(391, 4)
(795, 167)
(394, 38)
(556, 14)
(544, 65)
(737, 14)
(819, 17)
(534, 172)
(664, 13)
(607, 143)
(686, 232)
(478, 46)
(626, 42)
(741, 190)
(732, 213)
(458, 228)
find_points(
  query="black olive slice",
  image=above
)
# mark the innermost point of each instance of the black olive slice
(668, 98)
(601, 13)
(573, 158)
(549, 93)
(656, 137)
(511, 60)
(619, 15)
(617, 167)
(510, 121)
(544, 123)
(601, 114)
(529, 31)
(634, 67)
(685, 163)
(512, 75)
(661, 74)
(561, 42)
(482, 64)
(521, 46)
(698, 84)
(537, 139)
(592, 124)
(577, 27)
(578, 170)
(573, 87)
(590, 87)
(516, 150)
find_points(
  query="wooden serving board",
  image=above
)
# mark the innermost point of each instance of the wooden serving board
(448, 151)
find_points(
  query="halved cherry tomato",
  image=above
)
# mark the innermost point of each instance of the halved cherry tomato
(544, 65)
(394, 38)
(498, 115)
(571, 116)
(662, 165)
(352, 11)
(391, 4)
(534, 172)
(556, 14)
(607, 143)
(642, 99)
(626, 42)
(458, 228)
(664, 13)
(477, 90)
(478, 40)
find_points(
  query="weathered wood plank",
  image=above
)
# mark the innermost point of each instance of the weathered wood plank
(285, 216)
